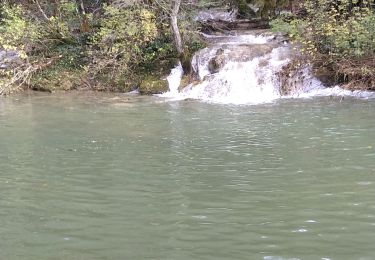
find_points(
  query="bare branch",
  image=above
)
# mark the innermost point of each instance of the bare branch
(41, 10)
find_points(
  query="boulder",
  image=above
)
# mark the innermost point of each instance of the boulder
(7, 58)
(217, 62)
(152, 85)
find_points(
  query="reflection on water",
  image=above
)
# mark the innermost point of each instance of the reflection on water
(120, 177)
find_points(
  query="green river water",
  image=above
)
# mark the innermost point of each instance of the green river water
(97, 176)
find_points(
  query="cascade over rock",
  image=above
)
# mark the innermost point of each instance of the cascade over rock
(241, 66)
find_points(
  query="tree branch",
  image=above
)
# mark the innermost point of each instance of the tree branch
(41, 10)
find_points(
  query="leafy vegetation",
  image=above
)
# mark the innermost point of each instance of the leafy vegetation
(338, 37)
(102, 45)
(45, 44)
(117, 44)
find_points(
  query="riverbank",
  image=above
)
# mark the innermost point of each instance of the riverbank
(94, 61)
(292, 78)
(337, 39)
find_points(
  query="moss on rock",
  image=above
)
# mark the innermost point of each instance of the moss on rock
(120, 83)
(153, 85)
(49, 81)
(185, 81)
(188, 80)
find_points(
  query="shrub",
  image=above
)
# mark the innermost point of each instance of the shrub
(45, 43)
(337, 35)
(118, 47)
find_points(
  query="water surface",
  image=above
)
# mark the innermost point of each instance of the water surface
(119, 177)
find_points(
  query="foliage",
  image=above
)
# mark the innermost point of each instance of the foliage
(333, 33)
(17, 33)
(107, 44)
(24, 30)
(45, 41)
(134, 41)
(123, 42)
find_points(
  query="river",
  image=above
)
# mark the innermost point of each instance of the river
(104, 176)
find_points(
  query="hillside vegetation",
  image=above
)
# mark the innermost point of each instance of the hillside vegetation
(338, 38)
(121, 45)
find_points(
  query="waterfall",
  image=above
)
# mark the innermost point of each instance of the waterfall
(174, 80)
(252, 81)
(241, 67)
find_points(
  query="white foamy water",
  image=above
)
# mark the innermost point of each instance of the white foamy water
(238, 39)
(247, 81)
(321, 91)
(174, 80)
(239, 82)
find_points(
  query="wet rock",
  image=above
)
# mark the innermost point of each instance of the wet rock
(7, 58)
(237, 53)
(248, 52)
(217, 62)
(152, 85)
(188, 80)
(326, 76)
(185, 80)
(217, 14)
(277, 37)
(211, 26)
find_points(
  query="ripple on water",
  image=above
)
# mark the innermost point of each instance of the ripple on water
(275, 181)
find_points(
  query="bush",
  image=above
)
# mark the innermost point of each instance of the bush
(109, 46)
(126, 39)
(45, 43)
(337, 35)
